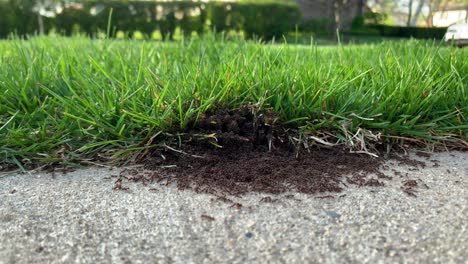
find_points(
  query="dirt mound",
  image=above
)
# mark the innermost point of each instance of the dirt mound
(234, 152)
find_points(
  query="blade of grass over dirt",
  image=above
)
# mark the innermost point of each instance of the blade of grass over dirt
(68, 99)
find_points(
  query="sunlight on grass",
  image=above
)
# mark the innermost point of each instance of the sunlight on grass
(64, 100)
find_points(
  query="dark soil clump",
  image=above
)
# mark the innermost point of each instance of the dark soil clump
(234, 152)
(408, 187)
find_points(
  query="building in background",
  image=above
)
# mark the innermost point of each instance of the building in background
(340, 13)
(449, 15)
(421, 13)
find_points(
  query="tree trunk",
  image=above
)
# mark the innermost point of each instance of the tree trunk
(414, 20)
(331, 16)
(40, 22)
(410, 12)
(466, 15)
(433, 5)
(360, 8)
(338, 8)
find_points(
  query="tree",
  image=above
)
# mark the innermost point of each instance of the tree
(432, 6)
(410, 12)
(40, 8)
(414, 20)
(340, 8)
(360, 8)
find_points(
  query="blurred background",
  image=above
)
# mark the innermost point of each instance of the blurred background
(294, 21)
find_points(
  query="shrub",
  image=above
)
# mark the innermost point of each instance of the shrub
(266, 19)
(318, 26)
(16, 19)
(407, 32)
(7, 22)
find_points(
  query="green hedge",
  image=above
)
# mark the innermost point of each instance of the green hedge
(407, 32)
(266, 19)
(320, 26)
(15, 20)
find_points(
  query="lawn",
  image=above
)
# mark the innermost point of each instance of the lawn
(70, 100)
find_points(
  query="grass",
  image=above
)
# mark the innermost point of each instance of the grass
(69, 100)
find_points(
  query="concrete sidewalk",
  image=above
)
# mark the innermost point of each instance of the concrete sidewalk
(77, 217)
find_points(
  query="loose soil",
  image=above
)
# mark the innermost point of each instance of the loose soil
(233, 152)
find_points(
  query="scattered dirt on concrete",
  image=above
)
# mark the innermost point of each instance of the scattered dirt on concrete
(409, 186)
(405, 161)
(241, 171)
(207, 217)
(423, 155)
(234, 152)
(268, 199)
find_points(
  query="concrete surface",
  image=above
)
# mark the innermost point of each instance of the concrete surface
(78, 218)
